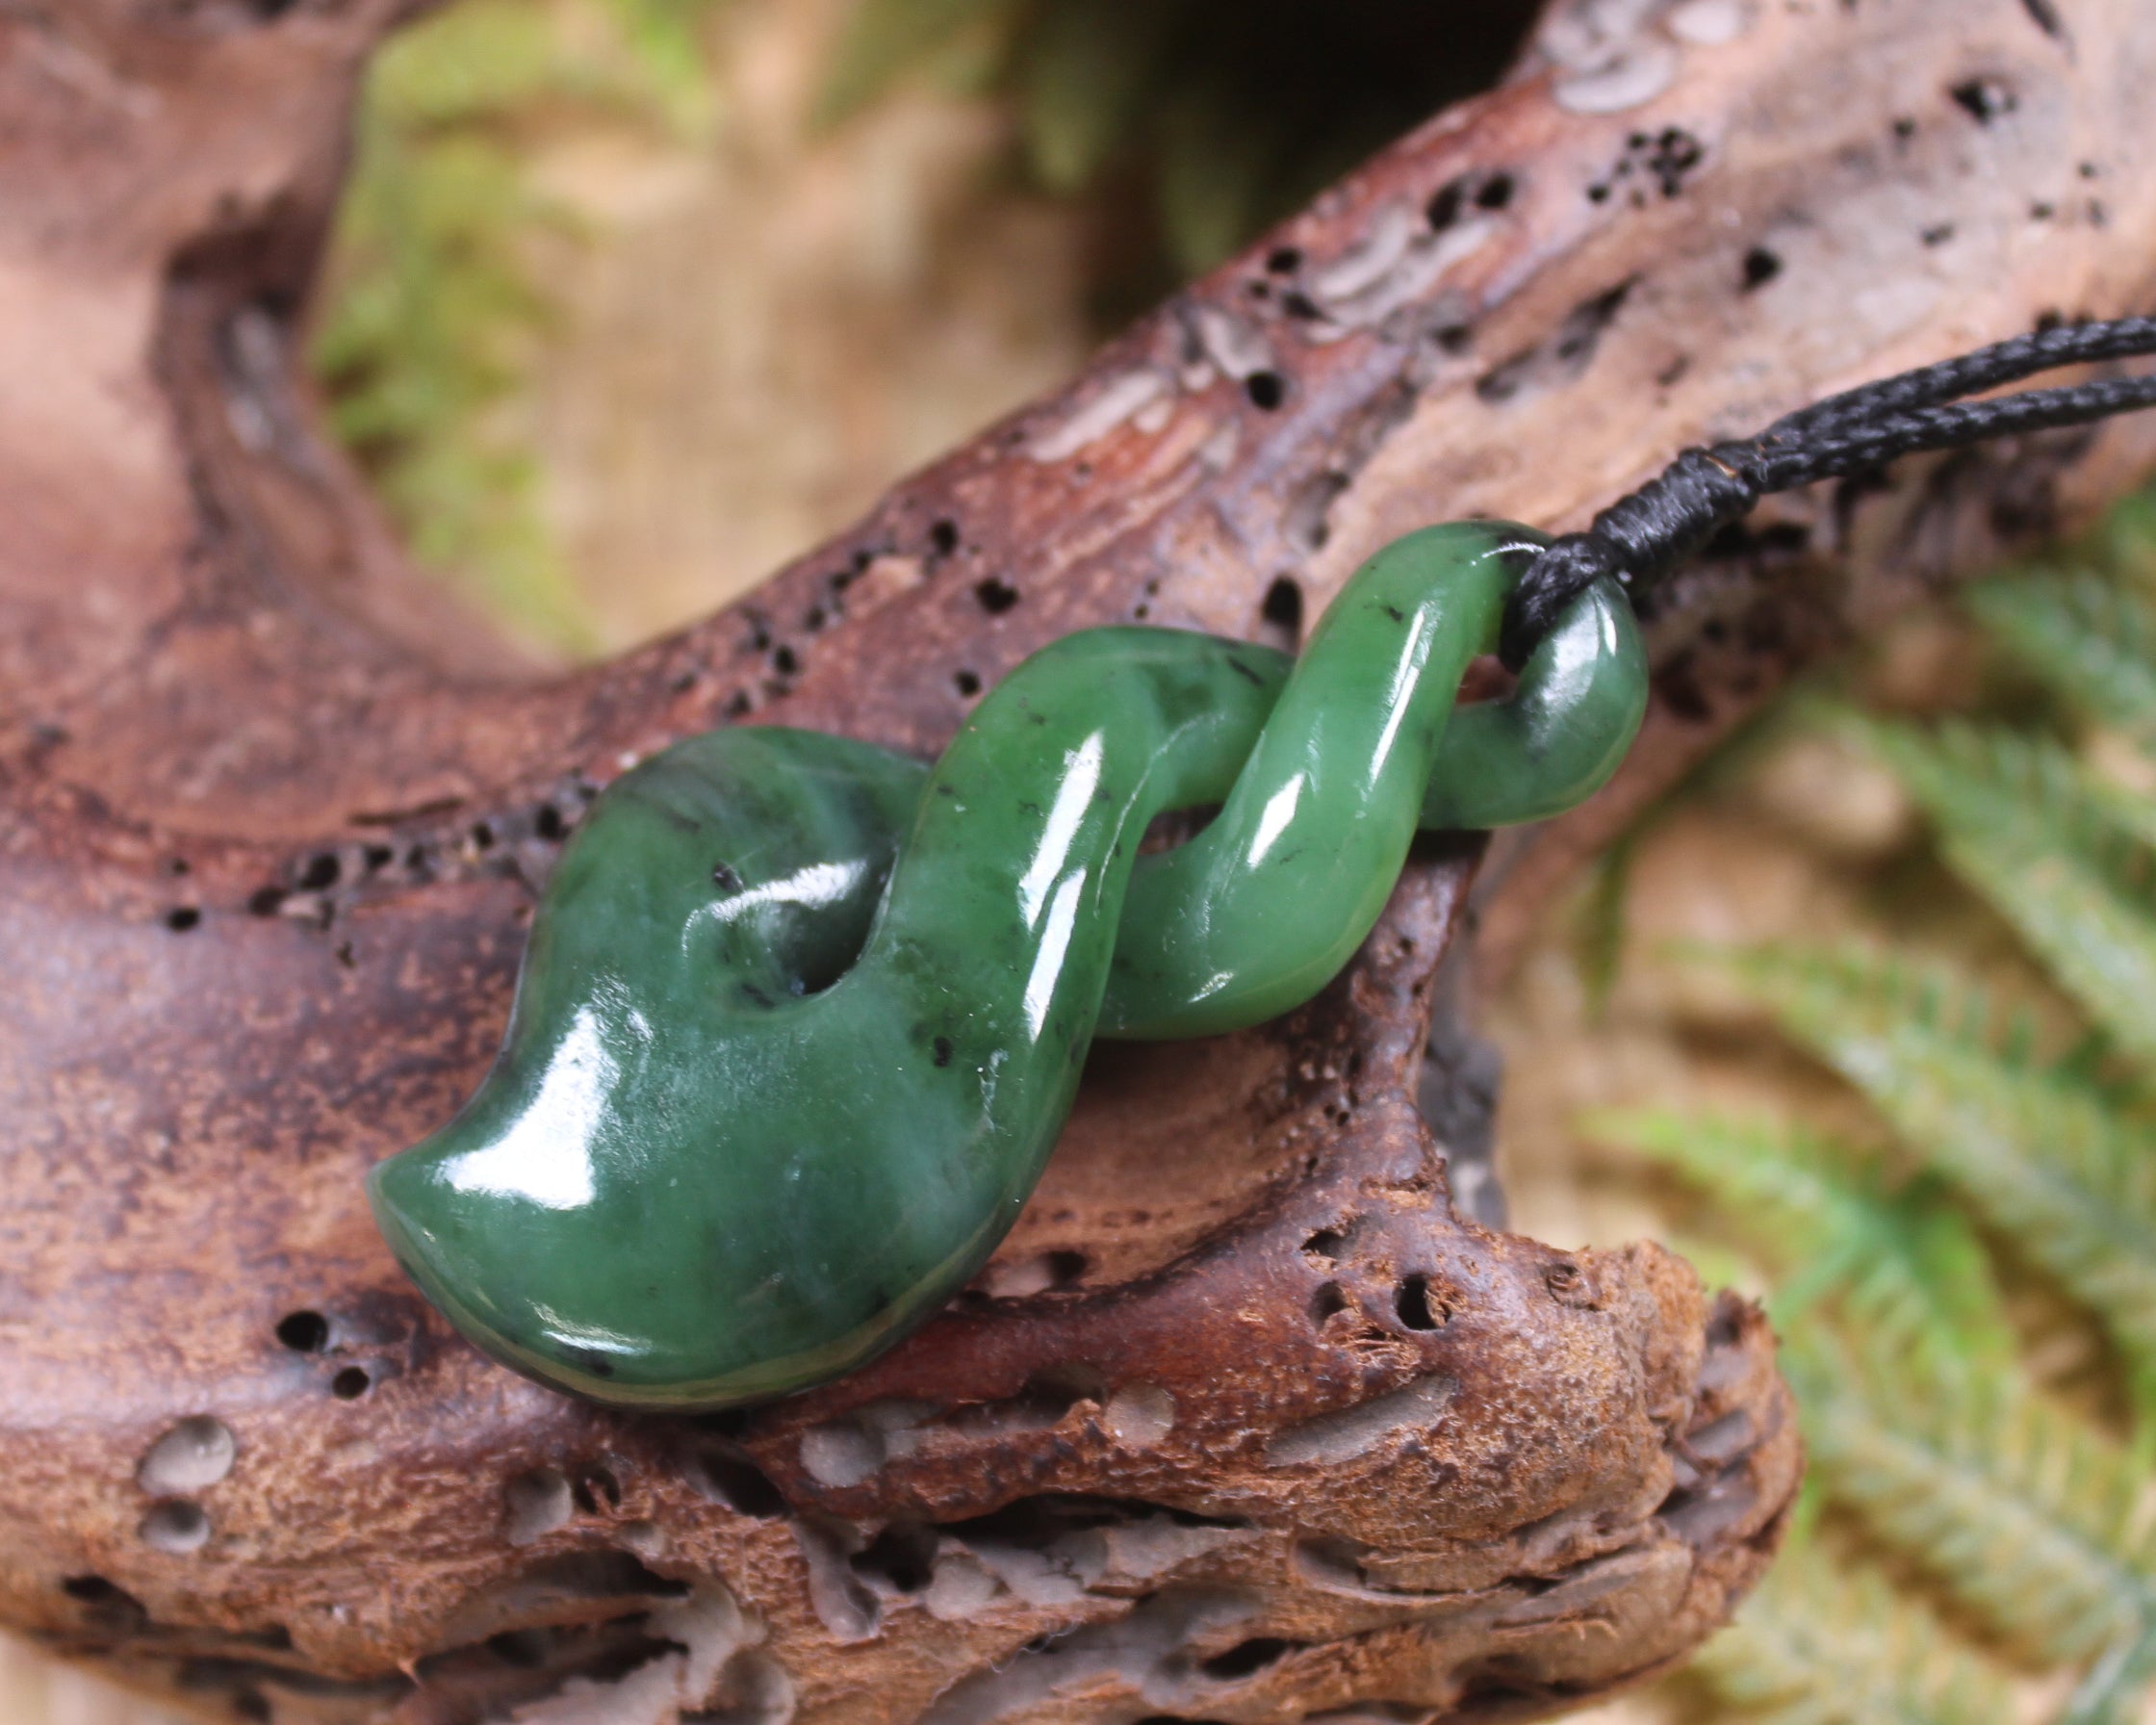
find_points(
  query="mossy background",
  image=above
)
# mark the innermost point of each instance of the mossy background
(631, 299)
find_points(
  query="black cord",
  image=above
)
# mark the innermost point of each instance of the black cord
(1642, 536)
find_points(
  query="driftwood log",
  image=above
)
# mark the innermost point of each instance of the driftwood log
(1252, 1419)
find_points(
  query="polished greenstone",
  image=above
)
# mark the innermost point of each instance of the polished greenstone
(800, 1019)
(1262, 909)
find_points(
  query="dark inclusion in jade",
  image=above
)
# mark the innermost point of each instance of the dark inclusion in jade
(801, 1019)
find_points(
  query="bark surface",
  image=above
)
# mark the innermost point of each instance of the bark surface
(1252, 1419)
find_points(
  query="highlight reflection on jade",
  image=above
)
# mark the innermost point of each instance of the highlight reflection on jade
(801, 1019)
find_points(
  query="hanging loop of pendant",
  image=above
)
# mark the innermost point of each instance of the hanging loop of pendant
(1365, 745)
(801, 1019)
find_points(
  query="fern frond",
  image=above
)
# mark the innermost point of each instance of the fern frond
(2018, 821)
(1822, 1643)
(484, 61)
(1900, 1262)
(2021, 1511)
(2127, 539)
(2118, 1688)
(2133, 810)
(2042, 1156)
(2090, 638)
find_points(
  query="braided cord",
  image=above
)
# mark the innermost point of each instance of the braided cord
(1986, 368)
(1641, 536)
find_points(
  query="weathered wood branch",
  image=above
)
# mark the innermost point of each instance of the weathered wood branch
(1245, 1422)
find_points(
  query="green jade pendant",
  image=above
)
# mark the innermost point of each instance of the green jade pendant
(801, 1019)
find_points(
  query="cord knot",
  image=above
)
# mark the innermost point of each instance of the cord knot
(1637, 538)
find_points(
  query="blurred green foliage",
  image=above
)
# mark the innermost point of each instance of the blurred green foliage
(1963, 1512)
(436, 300)
(1223, 114)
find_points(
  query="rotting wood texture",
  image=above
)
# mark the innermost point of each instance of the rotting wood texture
(1245, 1422)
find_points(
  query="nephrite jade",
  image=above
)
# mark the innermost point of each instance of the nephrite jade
(801, 1019)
